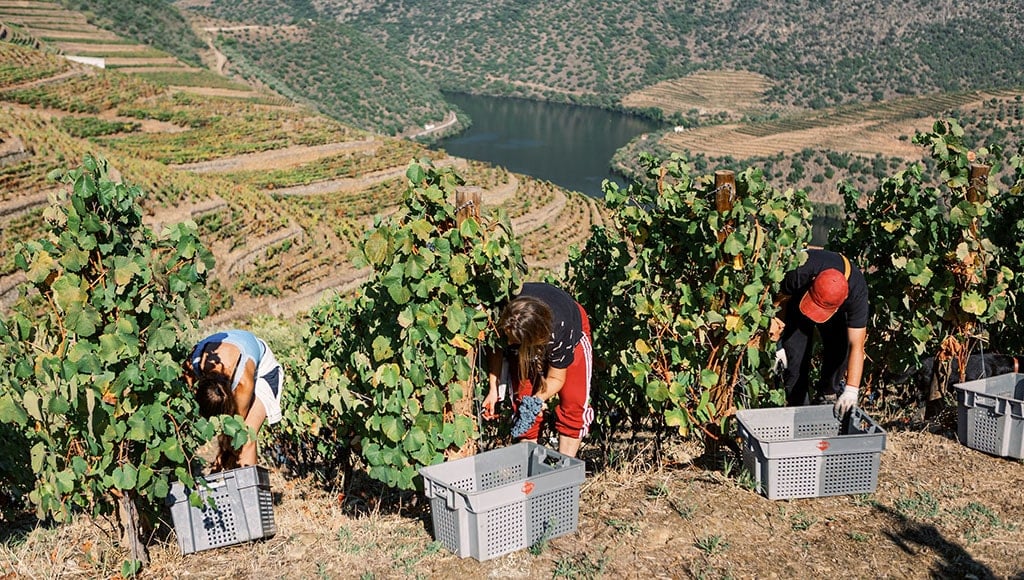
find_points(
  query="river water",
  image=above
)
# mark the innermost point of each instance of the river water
(568, 145)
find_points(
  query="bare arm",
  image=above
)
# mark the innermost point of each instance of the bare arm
(246, 388)
(553, 383)
(781, 301)
(251, 411)
(188, 373)
(855, 364)
(494, 361)
(778, 323)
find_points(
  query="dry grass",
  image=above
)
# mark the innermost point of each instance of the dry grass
(941, 510)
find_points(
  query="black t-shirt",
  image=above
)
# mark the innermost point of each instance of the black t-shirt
(797, 282)
(566, 322)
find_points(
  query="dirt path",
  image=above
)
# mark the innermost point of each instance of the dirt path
(234, 262)
(449, 119)
(867, 138)
(351, 184)
(220, 60)
(181, 212)
(941, 510)
(346, 185)
(9, 288)
(341, 284)
(24, 203)
(74, 47)
(136, 62)
(88, 32)
(218, 92)
(494, 197)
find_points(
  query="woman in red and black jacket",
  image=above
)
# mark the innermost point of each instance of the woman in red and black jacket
(548, 353)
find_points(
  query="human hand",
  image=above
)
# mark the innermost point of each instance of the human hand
(529, 408)
(488, 405)
(845, 402)
(775, 328)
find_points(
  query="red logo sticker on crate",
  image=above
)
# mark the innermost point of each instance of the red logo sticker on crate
(528, 487)
(823, 445)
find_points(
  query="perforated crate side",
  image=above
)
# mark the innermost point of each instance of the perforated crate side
(242, 510)
(516, 496)
(553, 514)
(796, 452)
(501, 529)
(990, 415)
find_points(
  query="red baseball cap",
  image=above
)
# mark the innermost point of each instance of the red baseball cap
(825, 296)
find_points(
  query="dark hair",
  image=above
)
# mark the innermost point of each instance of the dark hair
(213, 393)
(527, 321)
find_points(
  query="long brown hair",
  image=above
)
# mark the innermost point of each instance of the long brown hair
(213, 393)
(527, 322)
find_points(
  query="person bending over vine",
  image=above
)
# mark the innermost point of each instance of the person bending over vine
(235, 373)
(548, 353)
(827, 296)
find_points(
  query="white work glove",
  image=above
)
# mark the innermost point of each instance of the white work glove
(845, 402)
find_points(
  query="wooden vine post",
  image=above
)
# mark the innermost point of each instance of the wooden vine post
(721, 394)
(977, 189)
(977, 186)
(725, 196)
(467, 205)
(955, 346)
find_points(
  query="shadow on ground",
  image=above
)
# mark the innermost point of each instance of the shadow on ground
(953, 561)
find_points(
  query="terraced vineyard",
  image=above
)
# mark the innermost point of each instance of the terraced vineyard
(551, 233)
(21, 65)
(705, 94)
(352, 163)
(281, 194)
(865, 129)
(87, 93)
(69, 33)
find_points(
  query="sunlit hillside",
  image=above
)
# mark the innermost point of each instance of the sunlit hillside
(270, 127)
(816, 54)
(280, 193)
(749, 83)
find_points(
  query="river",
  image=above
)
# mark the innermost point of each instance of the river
(568, 145)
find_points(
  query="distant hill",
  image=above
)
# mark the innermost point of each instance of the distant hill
(336, 69)
(751, 82)
(816, 54)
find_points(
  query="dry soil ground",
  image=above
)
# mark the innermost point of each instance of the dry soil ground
(941, 510)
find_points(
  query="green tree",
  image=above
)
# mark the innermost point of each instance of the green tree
(92, 354)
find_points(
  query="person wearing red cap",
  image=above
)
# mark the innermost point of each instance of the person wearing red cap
(828, 294)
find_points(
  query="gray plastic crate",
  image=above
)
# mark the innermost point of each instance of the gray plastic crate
(990, 414)
(503, 500)
(795, 452)
(244, 510)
